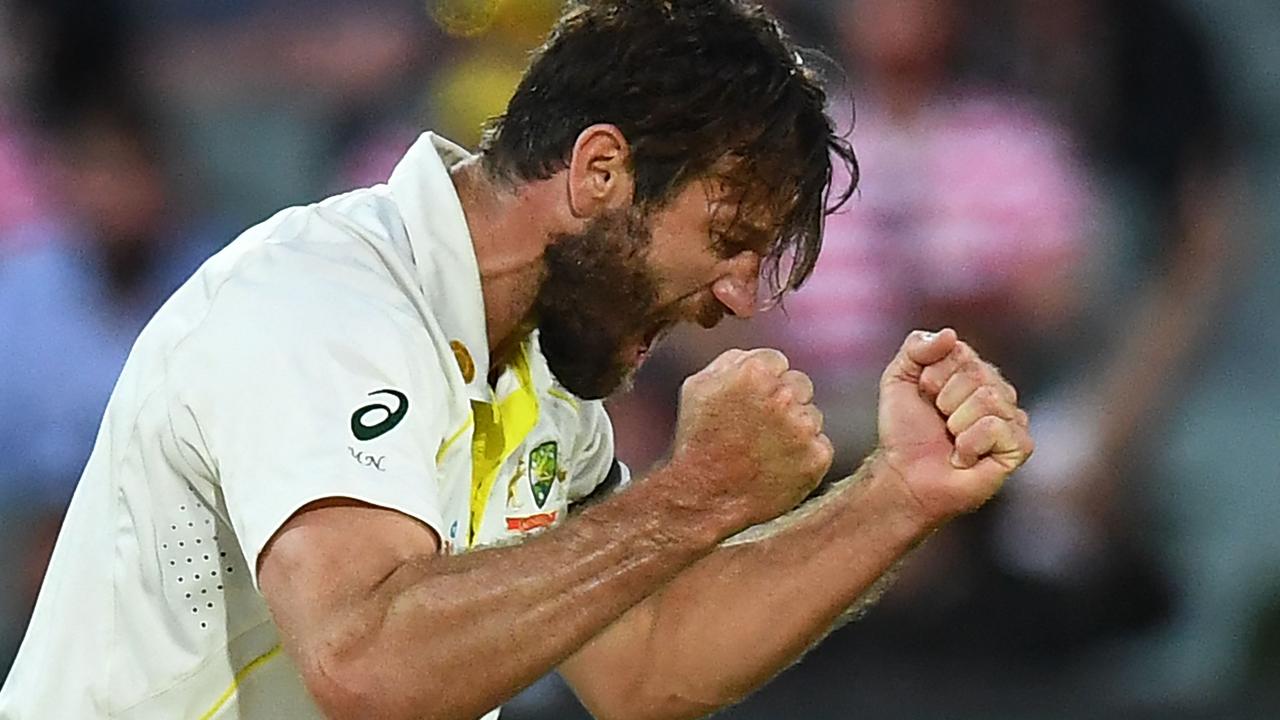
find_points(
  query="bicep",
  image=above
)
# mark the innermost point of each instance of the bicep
(323, 571)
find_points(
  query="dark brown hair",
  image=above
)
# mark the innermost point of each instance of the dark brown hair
(698, 87)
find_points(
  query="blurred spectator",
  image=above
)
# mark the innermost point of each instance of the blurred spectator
(21, 183)
(76, 300)
(109, 250)
(300, 89)
(1137, 81)
(71, 303)
(21, 186)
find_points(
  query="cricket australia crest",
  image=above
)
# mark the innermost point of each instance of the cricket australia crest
(543, 468)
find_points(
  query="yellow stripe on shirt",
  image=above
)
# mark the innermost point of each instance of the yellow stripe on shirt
(500, 430)
(453, 439)
(256, 663)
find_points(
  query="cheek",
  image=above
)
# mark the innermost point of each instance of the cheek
(684, 297)
(681, 256)
(685, 270)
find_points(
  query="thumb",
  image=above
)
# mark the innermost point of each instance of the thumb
(984, 478)
(921, 349)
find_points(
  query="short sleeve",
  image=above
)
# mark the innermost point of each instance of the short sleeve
(305, 390)
(595, 472)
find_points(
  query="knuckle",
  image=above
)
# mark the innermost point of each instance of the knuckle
(783, 397)
(824, 452)
(799, 378)
(825, 456)
(749, 379)
(690, 386)
(765, 356)
(985, 371)
(754, 366)
(974, 370)
(994, 404)
(991, 424)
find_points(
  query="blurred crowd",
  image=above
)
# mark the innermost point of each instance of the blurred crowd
(1080, 187)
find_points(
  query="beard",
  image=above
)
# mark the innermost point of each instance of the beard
(598, 296)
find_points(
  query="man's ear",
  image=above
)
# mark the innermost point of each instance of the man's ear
(599, 175)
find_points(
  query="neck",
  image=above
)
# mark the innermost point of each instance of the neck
(509, 237)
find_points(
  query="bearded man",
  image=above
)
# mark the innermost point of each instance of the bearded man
(358, 467)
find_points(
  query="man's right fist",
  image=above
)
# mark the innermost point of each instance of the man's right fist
(749, 438)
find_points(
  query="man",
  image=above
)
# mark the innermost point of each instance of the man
(315, 428)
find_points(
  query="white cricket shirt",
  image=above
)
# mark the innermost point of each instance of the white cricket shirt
(335, 350)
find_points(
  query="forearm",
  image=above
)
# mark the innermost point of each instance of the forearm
(513, 613)
(743, 613)
(1174, 308)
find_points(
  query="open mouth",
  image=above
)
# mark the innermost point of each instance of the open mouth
(651, 339)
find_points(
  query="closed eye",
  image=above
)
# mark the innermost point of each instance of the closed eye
(724, 246)
(743, 239)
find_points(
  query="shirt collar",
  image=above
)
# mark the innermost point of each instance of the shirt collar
(444, 252)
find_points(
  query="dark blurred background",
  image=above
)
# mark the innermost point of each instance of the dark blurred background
(1088, 189)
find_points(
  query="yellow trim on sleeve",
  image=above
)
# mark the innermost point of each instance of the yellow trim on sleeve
(500, 430)
(254, 664)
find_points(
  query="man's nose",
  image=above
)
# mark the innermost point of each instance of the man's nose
(737, 288)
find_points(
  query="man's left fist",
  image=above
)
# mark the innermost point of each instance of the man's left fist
(950, 425)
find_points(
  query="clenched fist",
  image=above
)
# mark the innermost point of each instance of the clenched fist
(950, 425)
(750, 437)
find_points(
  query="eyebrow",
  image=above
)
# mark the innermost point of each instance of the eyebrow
(746, 232)
(729, 219)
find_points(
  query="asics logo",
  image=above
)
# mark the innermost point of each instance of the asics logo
(393, 417)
